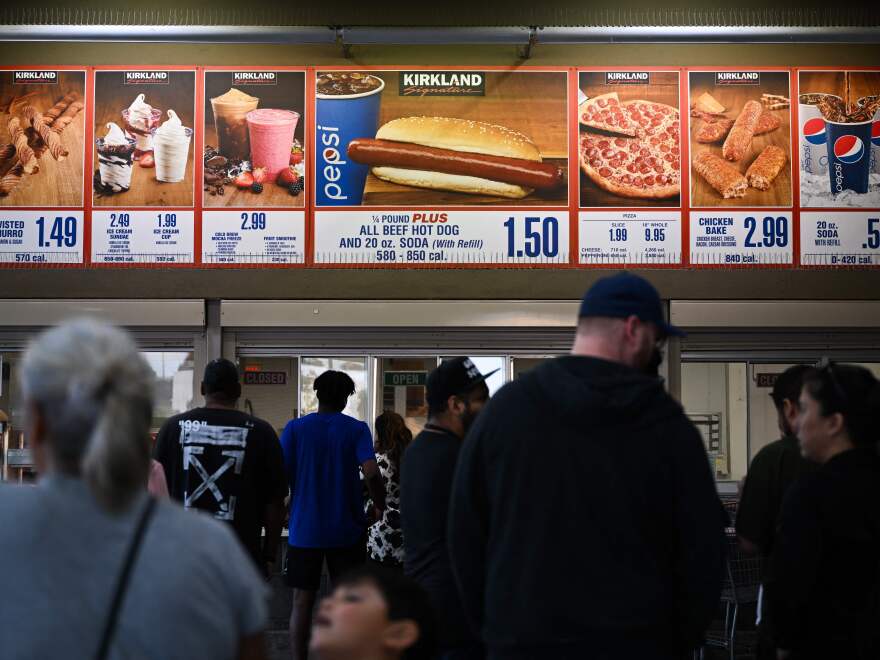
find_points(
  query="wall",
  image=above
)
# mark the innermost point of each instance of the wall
(446, 284)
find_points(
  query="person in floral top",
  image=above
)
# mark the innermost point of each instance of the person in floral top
(384, 537)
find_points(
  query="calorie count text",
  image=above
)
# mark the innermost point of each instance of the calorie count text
(62, 233)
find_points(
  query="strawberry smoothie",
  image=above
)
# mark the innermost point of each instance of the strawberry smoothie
(271, 134)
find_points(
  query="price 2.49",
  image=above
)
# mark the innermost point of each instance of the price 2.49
(534, 237)
(61, 233)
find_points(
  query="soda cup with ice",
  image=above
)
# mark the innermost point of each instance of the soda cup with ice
(849, 155)
(875, 134)
(813, 149)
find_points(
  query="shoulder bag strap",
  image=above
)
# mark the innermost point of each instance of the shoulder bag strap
(122, 584)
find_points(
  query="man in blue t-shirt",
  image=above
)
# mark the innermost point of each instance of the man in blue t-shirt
(323, 453)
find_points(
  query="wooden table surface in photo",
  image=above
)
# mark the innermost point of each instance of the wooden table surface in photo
(861, 83)
(532, 104)
(58, 183)
(273, 195)
(593, 195)
(733, 99)
(145, 189)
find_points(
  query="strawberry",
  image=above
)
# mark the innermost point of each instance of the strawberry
(259, 174)
(296, 157)
(244, 180)
(147, 160)
(286, 177)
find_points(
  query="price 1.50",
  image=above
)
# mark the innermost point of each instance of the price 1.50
(61, 233)
(534, 237)
(774, 232)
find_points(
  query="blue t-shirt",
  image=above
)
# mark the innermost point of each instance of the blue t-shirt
(323, 453)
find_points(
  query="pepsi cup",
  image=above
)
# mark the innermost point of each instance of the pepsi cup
(340, 118)
(849, 155)
(875, 135)
(814, 152)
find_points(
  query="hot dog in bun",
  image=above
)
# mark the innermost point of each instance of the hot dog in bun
(445, 153)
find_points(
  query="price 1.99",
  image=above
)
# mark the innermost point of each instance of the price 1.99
(61, 233)
(774, 232)
(533, 237)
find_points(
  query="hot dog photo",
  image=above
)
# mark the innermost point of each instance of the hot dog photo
(740, 138)
(450, 138)
(629, 138)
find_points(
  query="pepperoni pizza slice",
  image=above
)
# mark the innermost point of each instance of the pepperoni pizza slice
(606, 113)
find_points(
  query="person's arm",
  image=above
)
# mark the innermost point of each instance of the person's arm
(755, 514)
(699, 522)
(375, 483)
(276, 491)
(252, 647)
(167, 442)
(467, 530)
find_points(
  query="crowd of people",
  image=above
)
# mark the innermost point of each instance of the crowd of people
(573, 514)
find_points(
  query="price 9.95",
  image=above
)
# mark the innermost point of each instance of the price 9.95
(532, 237)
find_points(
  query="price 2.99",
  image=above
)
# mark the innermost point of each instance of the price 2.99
(774, 232)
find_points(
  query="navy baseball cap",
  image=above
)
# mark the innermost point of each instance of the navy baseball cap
(453, 377)
(623, 295)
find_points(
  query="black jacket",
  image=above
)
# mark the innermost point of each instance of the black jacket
(584, 512)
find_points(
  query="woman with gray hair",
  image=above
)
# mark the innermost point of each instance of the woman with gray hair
(95, 568)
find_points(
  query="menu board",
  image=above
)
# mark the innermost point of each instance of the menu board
(451, 166)
(439, 167)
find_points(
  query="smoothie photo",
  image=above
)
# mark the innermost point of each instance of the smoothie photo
(271, 135)
(171, 149)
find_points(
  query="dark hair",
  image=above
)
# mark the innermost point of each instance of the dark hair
(405, 599)
(221, 380)
(334, 388)
(788, 385)
(853, 392)
(392, 437)
(439, 407)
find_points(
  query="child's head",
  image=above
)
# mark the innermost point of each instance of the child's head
(374, 612)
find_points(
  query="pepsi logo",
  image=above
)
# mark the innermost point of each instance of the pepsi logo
(849, 149)
(814, 130)
(875, 133)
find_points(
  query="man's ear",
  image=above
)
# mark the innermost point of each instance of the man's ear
(202, 389)
(835, 423)
(454, 404)
(400, 635)
(789, 412)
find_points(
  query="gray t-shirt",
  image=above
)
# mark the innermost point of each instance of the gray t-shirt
(193, 591)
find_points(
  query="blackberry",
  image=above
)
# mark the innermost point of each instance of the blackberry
(296, 187)
(257, 188)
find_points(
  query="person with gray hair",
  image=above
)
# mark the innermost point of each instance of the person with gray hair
(99, 568)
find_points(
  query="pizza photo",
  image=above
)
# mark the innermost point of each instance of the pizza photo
(629, 146)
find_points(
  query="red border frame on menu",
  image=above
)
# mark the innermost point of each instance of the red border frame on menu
(85, 207)
(567, 208)
(308, 135)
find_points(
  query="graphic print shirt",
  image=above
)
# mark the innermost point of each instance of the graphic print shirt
(384, 537)
(226, 463)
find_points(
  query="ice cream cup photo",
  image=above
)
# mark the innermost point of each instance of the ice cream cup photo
(814, 152)
(140, 118)
(340, 118)
(271, 136)
(849, 155)
(875, 134)
(171, 149)
(230, 112)
(115, 154)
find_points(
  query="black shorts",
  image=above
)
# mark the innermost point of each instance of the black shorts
(302, 566)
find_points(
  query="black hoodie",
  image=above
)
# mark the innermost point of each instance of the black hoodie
(584, 515)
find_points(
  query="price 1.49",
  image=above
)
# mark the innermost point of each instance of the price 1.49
(62, 232)
(534, 237)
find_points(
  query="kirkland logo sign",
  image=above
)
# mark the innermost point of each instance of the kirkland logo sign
(442, 83)
(627, 78)
(254, 78)
(35, 77)
(146, 77)
(737, 78)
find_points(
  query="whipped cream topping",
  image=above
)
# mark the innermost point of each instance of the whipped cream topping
(139, 110)
(115, 136)
(172, 128)
(234, 96)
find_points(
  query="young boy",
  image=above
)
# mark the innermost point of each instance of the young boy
(374, 614)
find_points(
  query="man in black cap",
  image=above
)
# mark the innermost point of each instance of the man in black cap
(456, 392)
(223, 461)
(584, 520)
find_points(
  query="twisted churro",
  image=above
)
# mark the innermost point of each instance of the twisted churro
(61, 123)
(51, 138)
(7, 151)
(11, 179)
(55, 111)
(25, 154)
